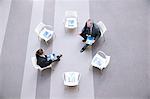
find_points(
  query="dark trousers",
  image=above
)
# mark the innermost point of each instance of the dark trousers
(84, 35)
(84, 47)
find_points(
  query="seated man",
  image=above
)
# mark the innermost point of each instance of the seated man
(90, 30)
(45, 60)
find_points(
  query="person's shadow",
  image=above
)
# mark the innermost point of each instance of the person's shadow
(97, 45)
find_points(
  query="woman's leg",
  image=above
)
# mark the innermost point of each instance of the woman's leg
(57, 58)
(50, 56)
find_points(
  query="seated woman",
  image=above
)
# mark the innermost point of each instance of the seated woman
(45, 60)
(90, 30)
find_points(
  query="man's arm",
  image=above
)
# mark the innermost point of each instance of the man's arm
(98, 36)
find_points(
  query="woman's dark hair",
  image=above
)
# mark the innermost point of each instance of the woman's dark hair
(39, 52)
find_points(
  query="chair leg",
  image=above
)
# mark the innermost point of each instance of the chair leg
(90, 67)
(78, 87)
(46, 42)
(104, 37)
(38, 38)
(102, 69)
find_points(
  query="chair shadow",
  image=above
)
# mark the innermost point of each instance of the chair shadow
(47, 46)
(54, 65)
(45, 74)
(97, 71)
(97, 46)
(70, 31)
(71, 89)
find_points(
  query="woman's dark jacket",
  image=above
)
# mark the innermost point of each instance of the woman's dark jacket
(42, 61)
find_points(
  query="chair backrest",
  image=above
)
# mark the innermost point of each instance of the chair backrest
(39, 27)
(71, 78)
(34, 62)
(102, 27)
(100, 60)
(71, 21)
(70, 13)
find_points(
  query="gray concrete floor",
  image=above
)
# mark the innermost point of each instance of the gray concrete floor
(126, 41)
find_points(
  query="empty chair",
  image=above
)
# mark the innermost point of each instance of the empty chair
(34, 63)
(102, 28)
(100, 60)
(43, 32)
(71, 19)
(71, 78)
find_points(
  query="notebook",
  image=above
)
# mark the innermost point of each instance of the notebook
(46, 34)
(70, 22)
(90, 40)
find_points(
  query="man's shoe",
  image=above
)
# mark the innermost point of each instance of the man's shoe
(81, 50)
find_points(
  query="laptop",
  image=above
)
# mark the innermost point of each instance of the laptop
(90, 40)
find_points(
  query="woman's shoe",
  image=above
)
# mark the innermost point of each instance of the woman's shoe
(59, 56)
(57, 59)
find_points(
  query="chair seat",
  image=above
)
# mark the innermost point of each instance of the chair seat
(71, 78)
(71, 23)
(44, 31)
(34, 63)
(46, 34)
(100, 62)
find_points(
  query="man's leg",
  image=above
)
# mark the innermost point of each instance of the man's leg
(85, 46)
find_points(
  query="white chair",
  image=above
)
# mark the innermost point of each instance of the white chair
(100, 60)
(71, 19)
(102, 28)
(71, 78)
(43, 32)
(34, 63)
